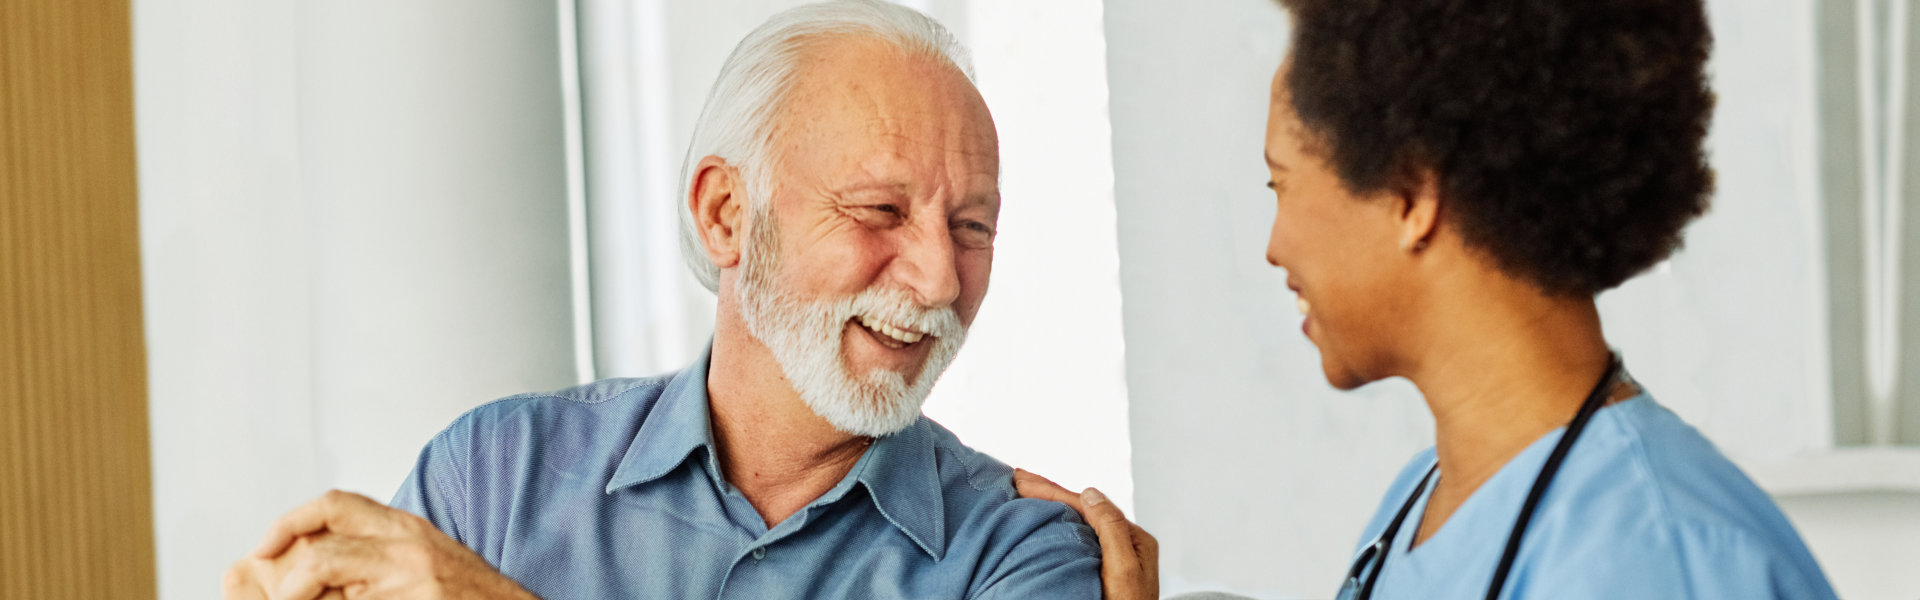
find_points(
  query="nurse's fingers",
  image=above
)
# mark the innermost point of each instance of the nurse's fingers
(1034, 486)
(1129, 556)
(1115, 531)
(1148, 549)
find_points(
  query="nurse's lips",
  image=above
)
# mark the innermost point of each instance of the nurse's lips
(1306, 308)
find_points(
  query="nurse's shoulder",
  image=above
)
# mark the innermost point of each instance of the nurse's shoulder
(1653, 509)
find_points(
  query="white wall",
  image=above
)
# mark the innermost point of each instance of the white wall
(353, 228)
(1257, 476)
(1863, 539)
(650, 315)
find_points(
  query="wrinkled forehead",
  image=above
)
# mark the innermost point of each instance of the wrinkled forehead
(874, 105)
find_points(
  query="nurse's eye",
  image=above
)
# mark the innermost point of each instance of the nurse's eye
(1279, 188)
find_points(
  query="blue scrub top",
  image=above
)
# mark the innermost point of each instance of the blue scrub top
(1643, 507)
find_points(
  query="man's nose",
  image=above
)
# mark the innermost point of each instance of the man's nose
(926, 266)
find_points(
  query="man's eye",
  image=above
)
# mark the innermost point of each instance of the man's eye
(881, 214)
(973, 234)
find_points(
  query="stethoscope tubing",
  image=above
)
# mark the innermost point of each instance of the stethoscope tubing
(1595, 399)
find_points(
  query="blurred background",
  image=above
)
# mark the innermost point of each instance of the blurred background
(357, 220)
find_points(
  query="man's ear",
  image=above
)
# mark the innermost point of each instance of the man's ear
(1419, 216)
(718, 199)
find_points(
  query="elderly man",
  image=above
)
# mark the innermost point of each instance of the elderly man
(841, 195)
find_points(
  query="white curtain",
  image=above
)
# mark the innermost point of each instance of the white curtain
(649, 315)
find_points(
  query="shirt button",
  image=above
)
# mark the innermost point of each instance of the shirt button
(759, 553)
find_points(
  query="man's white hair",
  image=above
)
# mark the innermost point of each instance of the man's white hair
(737, 123)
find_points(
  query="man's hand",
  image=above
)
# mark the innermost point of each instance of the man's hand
(250, 577)
(1129, 556)
(345, 545)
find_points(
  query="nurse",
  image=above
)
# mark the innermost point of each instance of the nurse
(1454, 183)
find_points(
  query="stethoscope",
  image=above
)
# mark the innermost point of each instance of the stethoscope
(1356, 589)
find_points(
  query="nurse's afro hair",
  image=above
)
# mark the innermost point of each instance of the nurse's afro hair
(1566, 134)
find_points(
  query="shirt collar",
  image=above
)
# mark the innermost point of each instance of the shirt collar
(900, 471)
(677, 425)
(903, 478)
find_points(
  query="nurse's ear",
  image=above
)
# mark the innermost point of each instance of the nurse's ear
(1417, 198)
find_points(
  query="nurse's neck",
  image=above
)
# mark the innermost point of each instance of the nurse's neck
(1508, 364)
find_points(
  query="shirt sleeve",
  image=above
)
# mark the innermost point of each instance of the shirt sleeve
(435, 488)
(1060, 558)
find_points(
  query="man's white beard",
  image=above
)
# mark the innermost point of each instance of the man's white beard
(806, 338)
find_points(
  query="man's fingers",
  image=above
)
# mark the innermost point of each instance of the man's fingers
(334, 511)
(245, 580)
(329, 562)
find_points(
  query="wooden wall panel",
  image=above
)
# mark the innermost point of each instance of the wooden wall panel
(75, 485)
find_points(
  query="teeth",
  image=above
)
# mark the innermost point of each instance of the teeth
(904, 337)
(1301, 303)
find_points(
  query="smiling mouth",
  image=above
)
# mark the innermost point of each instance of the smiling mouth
(889, 335)
(1299, 299)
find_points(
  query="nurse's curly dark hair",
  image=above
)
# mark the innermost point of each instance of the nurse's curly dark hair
(1566, 134)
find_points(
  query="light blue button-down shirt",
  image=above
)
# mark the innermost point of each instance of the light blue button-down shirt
(1643, 507)
(613, 490)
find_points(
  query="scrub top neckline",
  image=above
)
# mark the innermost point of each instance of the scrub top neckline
(1488, 512)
